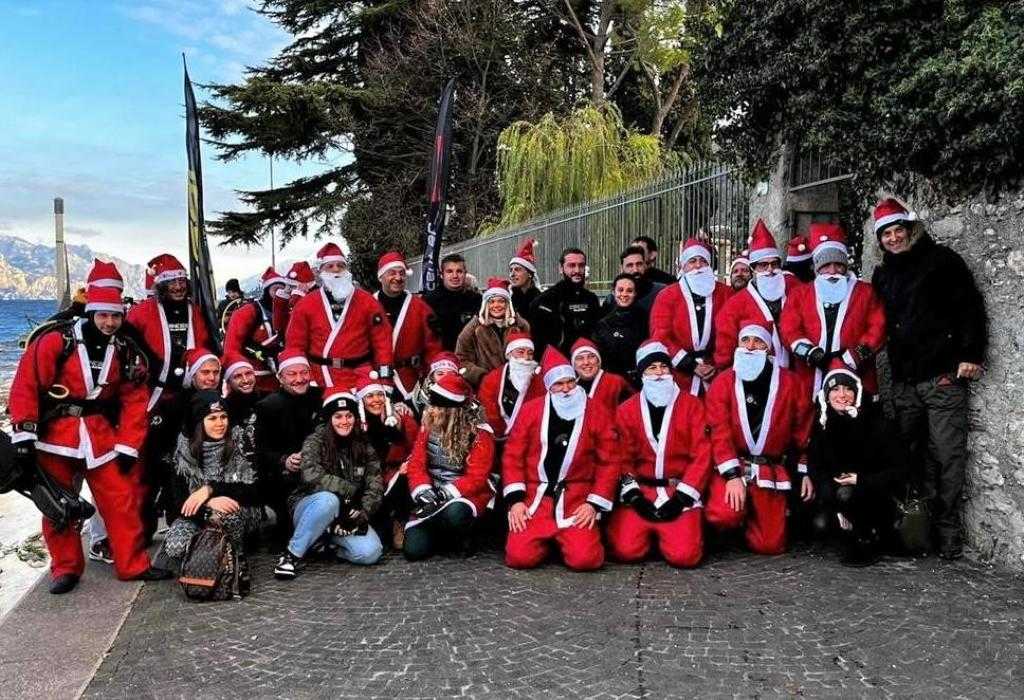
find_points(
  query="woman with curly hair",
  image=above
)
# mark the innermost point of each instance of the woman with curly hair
(448, 470)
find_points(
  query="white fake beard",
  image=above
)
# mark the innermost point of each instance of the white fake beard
(701, 282)
(570, 406)
(659, 390)
(749, 363)
(831, 289)
(339, 284)
(520, 372)
(770, 285)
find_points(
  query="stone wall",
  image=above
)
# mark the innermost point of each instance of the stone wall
(990, 237)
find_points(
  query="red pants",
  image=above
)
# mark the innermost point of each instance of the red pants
(116, 498)
(681, 541)
(581, 549)
(764, 511)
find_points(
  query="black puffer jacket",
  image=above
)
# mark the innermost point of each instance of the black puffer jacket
(868, 446)
(618, 334)
(934, 312)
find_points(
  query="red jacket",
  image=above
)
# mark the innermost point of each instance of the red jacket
(250, 327)
(787, 424)
(149, 318)
(609, 390)
(673, 322)
(861, 322)
(590, 471)
(362, 334)
(399, 450)
(412, 342)
(92, 438)
(742, 306)
(489, 395)
(681, 452)
(472, 486)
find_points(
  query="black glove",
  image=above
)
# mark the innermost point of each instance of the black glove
(688, 363)
(643, 507)
(125, 463)
(816, 357)
(673, 507)
(442, 495)
(425, 503)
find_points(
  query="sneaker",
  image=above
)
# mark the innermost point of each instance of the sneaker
(100, 551)
(287, 566)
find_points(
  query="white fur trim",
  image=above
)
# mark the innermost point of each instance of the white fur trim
(893, 218)
(558, 373)
(760, 254)
(727, 465)
(515, 345)
(525, 263)
(756, 331)
(391, 266)
(125, 450)
(320, 262)
(695, 251)
(114, 283)
(801, 468)
(586, 348)
(234, 367)
(23, 436)
(450, 395)
(292, 361)
(600, 501)
(105, 306)
(276, 280)
(169, 275)
(369, 389)
(799, 257)
(420, 489)
(683, 487)
(513, 488)
(496, 292)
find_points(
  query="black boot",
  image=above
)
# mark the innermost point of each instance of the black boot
(65, 583)
(861, 550)
(153, 574)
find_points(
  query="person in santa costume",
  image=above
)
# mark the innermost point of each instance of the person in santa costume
(764, 297)
(411, 318)
(170, 325)
(240, 393)
(522, 278)
(836, 317)
(78, 407)
(740, 273)
(340, 327)
(481, 344)
(505, 389)
(448, 471)
(605, 388)
(251, 331)
(559, 471)
(664, 467)
(684, 315)
(798, 259)
(757, 413)
(301, 281)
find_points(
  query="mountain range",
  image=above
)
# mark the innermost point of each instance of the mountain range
(27, 269)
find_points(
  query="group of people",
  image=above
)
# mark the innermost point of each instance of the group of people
(678, 407)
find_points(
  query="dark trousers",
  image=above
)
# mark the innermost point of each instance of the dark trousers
(157, 478)
(871, 511)
(449, 529)
(932, 418)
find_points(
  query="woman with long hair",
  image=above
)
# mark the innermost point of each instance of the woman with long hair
(340, 489)
(448, 470)
(214, 479)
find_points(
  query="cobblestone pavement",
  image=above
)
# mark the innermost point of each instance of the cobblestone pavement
(740, 625)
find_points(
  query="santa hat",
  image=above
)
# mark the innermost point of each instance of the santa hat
(517, 339)
(889, 212)
(368, 382)
(828, 244)
(497, 287)
(839, 376)
(331, 252)
(554, 367)
(301, 273)
(742, 259)
(290, 357)
(757, 328)
(798, 249)
(271, 277)
(445, 360)
(104, 274)
(583, 345)
(649, 352)
(104, 299)
(233, 362)
(194, 359)
(165, 267)
(337, 400)
(449, 391)
(148, 284)
(526, 256)
(692, 248)
(390, 261)
(762, 244)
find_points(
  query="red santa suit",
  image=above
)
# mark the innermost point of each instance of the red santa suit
(744, 304)
(502, 402)
(75, 438)
(587, 473)
(675, 459)
(606, 388)
(786, 424)
(858, 332)
(674, 320)
(471, 487)
(252, 333)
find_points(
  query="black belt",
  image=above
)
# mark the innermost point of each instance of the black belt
(647, 481)
(340, 363)
(762, 459)
(414, 361)
(78, 408)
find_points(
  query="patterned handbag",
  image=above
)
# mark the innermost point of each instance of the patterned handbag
(213, 568)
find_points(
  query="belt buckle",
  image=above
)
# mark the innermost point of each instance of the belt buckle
(414, 361)
(75, 411)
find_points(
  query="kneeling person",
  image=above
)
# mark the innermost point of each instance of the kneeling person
(665, 466)
(559, 471)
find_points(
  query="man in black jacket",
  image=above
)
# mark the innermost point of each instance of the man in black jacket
(652, 272)
(938, 336)
(567, 310)
(454, 303)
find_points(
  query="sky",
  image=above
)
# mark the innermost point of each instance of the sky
(92, 110)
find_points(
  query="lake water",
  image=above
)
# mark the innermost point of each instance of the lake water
(16, 319)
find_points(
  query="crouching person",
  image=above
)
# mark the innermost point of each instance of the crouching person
(340, 488)
(559, 471)
(665, 463)
(214, 478)
(448, 471)
(859, 463)
(756, 413)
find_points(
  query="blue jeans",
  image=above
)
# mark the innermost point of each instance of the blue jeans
(313, 514)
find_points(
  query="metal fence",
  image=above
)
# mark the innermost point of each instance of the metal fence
(809, 168)
(708, 199)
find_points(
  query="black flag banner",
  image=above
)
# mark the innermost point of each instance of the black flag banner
(438, 190)
(200, 266)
